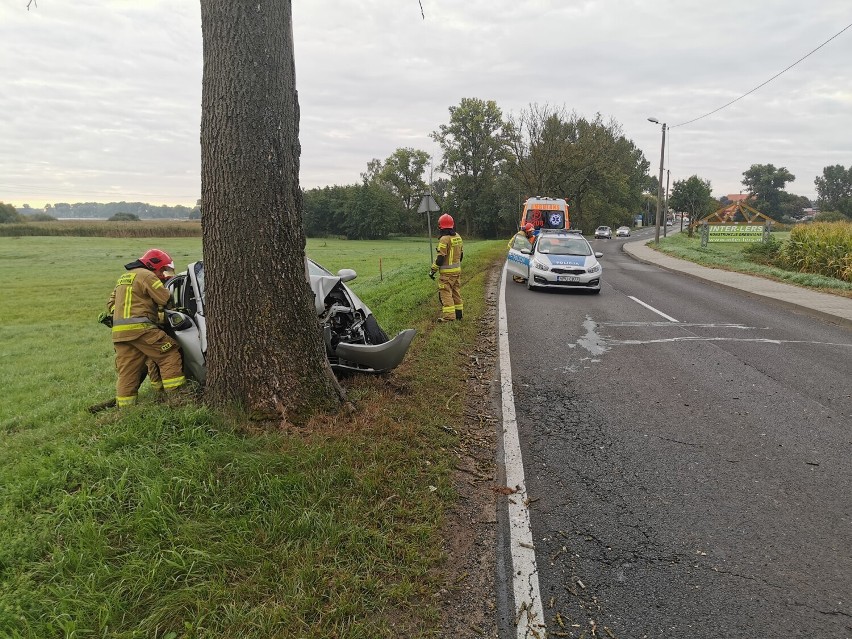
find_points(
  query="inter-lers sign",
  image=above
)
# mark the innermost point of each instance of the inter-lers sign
(735, 232)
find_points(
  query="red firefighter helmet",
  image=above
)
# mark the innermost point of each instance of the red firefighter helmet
(529, 228)
(446, 221)
(158, 261)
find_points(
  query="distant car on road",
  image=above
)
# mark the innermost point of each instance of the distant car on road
(559, 259)
(603, 233)
(622, 231)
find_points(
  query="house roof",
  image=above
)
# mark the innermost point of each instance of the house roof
(738, 197)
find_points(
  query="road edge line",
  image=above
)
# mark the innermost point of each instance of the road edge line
(529, 613)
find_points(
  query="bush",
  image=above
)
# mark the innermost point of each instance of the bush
(39, 217)
(124, 217)
(831, 216)
(768, 253)
(823, 247)
(8, 214)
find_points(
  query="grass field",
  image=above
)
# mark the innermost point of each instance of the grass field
(731, 257)
(166, 523)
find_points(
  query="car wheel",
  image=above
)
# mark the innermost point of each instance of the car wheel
(374, 332)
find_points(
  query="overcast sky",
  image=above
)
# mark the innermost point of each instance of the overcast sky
(101, 99)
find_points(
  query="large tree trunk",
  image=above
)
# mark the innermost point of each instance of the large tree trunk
(266, 352)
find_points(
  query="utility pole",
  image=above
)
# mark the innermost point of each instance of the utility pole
(666, 224)
(660, 181)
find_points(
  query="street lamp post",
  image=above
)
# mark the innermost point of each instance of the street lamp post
(660, 181)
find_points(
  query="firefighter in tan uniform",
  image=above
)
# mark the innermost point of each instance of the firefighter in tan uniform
(448, 266)
(136, 306)
(519, 240)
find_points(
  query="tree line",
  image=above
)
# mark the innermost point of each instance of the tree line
(102, 211)
(489, 165)
(766, 185)
(492, 163)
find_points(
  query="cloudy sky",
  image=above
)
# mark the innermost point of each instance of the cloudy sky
(100, 99)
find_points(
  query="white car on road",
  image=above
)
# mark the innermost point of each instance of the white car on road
(622, 231)
(558, 259)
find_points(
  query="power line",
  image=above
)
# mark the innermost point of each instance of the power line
(764, 83)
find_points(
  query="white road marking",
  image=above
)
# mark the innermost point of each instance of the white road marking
(697, 338)
(529, 612)
(651, 308)
(680, 324)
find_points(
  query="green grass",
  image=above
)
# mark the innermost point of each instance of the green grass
(733, 257)
(163, 523)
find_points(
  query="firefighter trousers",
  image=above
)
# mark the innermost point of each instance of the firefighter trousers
(449, 291)
(131, 359)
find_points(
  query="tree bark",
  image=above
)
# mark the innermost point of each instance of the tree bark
(265, 350)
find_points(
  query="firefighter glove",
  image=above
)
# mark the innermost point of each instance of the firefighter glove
(105, 319)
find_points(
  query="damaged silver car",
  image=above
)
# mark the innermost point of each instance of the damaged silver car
(354, 340)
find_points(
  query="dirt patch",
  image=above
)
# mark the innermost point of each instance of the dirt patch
(468, 596)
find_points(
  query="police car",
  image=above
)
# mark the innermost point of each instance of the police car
(557, 259)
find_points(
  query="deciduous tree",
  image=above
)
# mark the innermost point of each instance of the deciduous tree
(473, 144)
(402, 173)
(266, 352)
(8, 213)
(834, 189)
(766, 183)
(589, 162)
(693, 196)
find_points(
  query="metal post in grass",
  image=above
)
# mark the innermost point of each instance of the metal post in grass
(428, 205)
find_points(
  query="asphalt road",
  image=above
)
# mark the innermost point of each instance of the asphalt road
(687, 478)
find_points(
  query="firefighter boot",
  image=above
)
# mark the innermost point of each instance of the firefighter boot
(458, 314)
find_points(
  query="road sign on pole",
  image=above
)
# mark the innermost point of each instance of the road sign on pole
(427, 205)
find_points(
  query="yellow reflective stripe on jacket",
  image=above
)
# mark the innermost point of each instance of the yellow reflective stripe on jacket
(128, 300)
(122, 321)
(131, 327)
(157, 284)
(126, 280)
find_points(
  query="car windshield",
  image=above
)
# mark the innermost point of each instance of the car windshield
(316, 270)
(564, 246)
